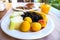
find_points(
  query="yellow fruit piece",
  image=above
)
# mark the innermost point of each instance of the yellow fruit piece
(45, 8)
(35, 26)
(28, 19)
(44, 16)
(25, 26)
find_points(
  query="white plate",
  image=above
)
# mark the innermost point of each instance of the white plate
(28, 35)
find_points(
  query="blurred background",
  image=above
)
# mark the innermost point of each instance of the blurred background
(54, 3)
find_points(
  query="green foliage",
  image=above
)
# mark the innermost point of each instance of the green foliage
(55, 3)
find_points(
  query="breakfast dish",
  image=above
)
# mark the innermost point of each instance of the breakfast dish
(26, 6)
(27, 35)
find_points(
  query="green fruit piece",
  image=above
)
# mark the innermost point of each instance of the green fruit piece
(15, 22)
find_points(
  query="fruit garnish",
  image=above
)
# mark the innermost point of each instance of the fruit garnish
(35, 27)
(25, 26)
(43, 23)
(28, 19)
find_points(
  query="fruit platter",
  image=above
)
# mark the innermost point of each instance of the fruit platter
(31, 24)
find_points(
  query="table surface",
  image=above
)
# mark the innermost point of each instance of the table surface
(55, 35)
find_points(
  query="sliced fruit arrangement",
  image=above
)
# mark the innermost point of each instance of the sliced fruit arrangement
(28, 21)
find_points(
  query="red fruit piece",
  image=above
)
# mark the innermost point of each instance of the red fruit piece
(43, 23)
